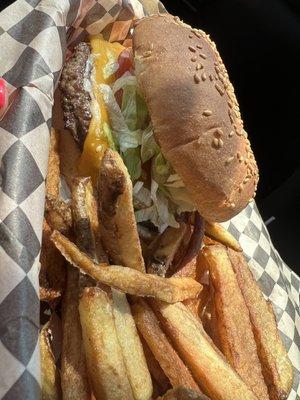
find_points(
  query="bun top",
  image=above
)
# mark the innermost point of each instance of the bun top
(195, 114)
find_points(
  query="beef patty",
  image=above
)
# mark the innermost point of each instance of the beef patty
(75, 99)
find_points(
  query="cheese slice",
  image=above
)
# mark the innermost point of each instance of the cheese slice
(103, 55)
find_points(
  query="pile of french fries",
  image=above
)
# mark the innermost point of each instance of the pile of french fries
(131, 329)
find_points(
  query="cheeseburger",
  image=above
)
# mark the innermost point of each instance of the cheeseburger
(166, 105)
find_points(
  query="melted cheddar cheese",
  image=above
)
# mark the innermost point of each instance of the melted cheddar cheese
(96, 142)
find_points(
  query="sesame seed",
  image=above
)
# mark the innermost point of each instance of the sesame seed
(199, 46)
(176, 19)
(221, 142)
(231, 134)
(151, 46)
(199, 66)
(203, 76)
(229, 160)
(197, 34)
(230, 104)
(211, 77)
(239, 132)
(99, 148)
(193, 59)
(196, 78)
(246, 180)
(219, 89)
(207, 113)
(192, 49)
(241, 159)
(238, 155)
(217, 69)
(191, 36)
(232, 205)
(215, 142)
(147, 53)
(202, 55)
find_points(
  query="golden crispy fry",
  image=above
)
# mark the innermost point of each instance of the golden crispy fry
(103, 352)
(69, 153)
(58, 214)
(182, 393)
(276, 366)
(50, 389)
(126, 279)
(117, 221)
(85, 219)
(197, 305)
(163, 250)
(158, 375)
(189, 269)
(209, 319)
(202, 268)
(53, 174)
(215, 377)
(52, 273)
(233, 322)
(209, 241)
(180, 253)
(220, 234)
(74, 378)
(157, 341)
(134, 358)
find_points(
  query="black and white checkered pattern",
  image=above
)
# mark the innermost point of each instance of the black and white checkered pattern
(277, 281)
(33, 37)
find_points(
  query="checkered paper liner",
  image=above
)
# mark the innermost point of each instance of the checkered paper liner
(33, 40)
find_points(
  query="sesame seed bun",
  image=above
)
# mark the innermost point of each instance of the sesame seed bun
(195, 114)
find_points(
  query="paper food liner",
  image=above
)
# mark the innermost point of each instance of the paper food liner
(34, 35)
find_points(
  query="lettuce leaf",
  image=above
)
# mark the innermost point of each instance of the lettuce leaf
(133, 136)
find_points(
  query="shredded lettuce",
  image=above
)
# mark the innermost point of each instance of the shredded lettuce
(126, 138)
(133, 163)
(132, 135)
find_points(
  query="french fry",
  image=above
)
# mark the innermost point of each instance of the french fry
(213, 374)
(53, 174)
(58, 214)
(74, 378)
(52, 273)
(220, 234)
(233, 321)
(182, 393)
(209, 241)
(209, 320)
(88, 238)
(126, 279)
(158, 375)
(134, 358)
(85, 219)
(189, 269)
(171, 364)
(197, 305)
(69, 153)
(117, 221)
(276, 366)
(50, 388)
(162, 252)
(102, 348)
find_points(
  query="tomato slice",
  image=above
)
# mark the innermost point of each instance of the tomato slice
(125, 62)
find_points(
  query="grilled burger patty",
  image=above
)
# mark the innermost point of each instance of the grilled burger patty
(75, 99)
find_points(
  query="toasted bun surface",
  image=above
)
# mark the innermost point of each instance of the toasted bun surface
(195, 114)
